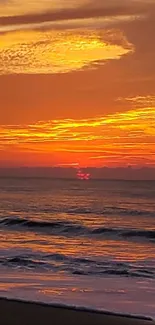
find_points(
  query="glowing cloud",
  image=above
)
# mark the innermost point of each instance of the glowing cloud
(58, 51)
(118, 139)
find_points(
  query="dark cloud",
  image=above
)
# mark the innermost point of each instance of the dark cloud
(96, 173)
(141, 66)
(91, 10)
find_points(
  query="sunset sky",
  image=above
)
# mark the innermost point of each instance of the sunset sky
(77, 83)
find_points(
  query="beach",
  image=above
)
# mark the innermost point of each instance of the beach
(15, 312)
(117, 295)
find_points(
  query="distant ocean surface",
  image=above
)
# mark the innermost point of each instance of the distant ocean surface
(82, 242)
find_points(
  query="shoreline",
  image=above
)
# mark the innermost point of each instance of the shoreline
(17, 312)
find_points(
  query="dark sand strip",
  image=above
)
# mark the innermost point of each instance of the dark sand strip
(14, 312)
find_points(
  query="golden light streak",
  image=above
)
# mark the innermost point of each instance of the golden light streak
(121, 138)
(58, 51)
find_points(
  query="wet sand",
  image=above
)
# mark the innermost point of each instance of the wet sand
(16, 312)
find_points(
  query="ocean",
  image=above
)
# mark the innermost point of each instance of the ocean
(86, 243)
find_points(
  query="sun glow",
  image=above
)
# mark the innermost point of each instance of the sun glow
(77, 83)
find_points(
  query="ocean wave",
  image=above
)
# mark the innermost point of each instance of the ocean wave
(76, 266)
(125, 233)
(39, 225)
(66, 228)
(106, 211)
(109, 210)
(85, 210)
(125, 211)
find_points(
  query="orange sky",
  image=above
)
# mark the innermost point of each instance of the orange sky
(77, 83)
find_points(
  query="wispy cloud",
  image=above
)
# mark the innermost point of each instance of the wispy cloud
(140, 101)
(89, 9)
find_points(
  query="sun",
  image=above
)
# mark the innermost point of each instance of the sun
(82, 176)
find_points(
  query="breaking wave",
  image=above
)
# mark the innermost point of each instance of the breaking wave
(67, 228)
(76, 266)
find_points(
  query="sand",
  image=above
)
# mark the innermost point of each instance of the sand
(16, 312)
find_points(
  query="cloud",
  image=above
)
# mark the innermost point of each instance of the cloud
(139, 101)
(120, 138)
(91, 10)
(59, 51)
(92, 91)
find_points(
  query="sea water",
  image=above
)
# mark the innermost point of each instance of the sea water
(85, 243)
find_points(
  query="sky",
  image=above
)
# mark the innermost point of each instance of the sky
(77, 83)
